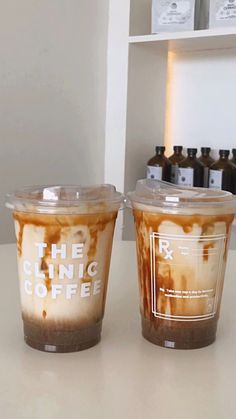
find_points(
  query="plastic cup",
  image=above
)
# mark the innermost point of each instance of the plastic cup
(64, 242)
(182, 237)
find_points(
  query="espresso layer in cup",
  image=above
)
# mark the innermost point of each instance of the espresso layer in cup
(181, 262)
(63, 264)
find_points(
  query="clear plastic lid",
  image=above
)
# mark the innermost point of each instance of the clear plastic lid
(161, 194)
(65, 199)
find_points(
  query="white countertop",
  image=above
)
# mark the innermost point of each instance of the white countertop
(124, 377)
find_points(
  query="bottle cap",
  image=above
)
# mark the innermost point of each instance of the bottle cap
(178, 148)
(192, 151)
(206, 150)
(224, 153)
(160, 149)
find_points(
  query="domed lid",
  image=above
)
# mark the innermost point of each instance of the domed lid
(64, 199)
(163, 194)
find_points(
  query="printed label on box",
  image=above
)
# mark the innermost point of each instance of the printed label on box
(177, 12)
(226, 10)
(170, 15)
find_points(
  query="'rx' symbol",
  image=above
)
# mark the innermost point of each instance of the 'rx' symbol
(164, 247)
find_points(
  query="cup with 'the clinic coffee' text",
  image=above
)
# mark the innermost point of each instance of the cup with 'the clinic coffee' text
(64, 242)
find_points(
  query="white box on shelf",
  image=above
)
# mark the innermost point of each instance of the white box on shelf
(222, 13)
(172, 16)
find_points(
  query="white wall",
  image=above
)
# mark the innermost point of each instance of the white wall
(52, 94)
(202, 99)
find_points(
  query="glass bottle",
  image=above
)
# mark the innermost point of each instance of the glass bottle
(159, 167)
(223, 173)
(175, 159)
(191, 170)
(233, 160)
(207, 161)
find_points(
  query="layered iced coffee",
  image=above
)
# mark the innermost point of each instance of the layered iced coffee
(64, 241)
(182, 239)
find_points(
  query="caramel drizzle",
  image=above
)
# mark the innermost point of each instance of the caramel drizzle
(206, 251)
(53, 229)
(52, 236)
(147, 223)
(20, 238)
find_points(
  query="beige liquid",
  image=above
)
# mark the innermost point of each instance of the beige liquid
(180, 295)
(85, 305)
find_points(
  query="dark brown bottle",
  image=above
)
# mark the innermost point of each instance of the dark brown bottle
(223, 173)
(191, 170)
(175, 159)
(158, 167)
(233, 160)
(207, 161)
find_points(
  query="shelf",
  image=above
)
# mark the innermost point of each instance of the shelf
(191, 40)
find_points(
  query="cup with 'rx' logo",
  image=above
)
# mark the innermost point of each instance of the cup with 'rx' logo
(182, 239)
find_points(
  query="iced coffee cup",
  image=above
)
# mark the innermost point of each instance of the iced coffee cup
(182, 237)
(64, 242)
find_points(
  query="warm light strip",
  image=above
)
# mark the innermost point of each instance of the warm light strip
(168, 111)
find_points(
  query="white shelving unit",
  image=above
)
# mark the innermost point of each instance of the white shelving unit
(191, 40)
(164, 89)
